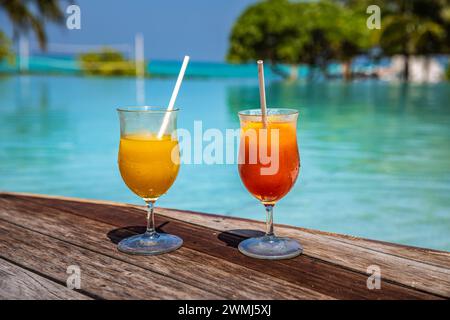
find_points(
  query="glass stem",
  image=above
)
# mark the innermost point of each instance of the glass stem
(151, 218)
(269, 220)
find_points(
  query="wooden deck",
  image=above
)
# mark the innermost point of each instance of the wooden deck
(40, 236)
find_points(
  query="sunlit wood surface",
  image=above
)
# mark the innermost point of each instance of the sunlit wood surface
(41, 236)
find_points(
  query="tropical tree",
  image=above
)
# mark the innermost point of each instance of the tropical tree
(31, 15)
(298, 33)
(334, 33)
(266, 30)
(106, 62)
(411, 27)
(5, 48)
(349, 37)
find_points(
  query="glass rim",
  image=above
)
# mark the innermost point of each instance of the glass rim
(146, 109)
(256, 112)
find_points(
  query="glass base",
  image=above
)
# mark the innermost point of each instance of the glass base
(270, 248)
(150, 244)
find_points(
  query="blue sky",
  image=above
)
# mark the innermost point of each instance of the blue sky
(171, 28)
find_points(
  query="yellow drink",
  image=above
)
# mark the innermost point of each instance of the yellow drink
(148, 165)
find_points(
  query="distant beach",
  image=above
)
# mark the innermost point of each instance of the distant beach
(362, 67)
(67, 64)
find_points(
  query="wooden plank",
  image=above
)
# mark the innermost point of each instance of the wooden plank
(433, 277)
(17, 283)
(322, 276)
(428, 256)
(185, 265)
(101, 276)
(220, 222)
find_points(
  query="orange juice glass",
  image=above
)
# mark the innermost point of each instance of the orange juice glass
(269, 164)
(149, 166)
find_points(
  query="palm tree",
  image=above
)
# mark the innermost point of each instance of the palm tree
(5, 48)
(288, 32)
(26, 15)
(408, 33)
(410, 27)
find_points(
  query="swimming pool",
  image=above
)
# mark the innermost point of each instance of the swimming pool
(375, 156)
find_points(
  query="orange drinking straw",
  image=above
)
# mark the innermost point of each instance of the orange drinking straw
(262, 92)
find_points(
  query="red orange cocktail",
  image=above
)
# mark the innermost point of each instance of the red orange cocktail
(269, 165)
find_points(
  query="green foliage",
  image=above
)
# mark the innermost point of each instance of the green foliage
(413, 27)
(32, 15)
(106, 62)
(315, 32)
(298, 32)
(331, 31)
(5, 48)
(409, 27)
(264, 31)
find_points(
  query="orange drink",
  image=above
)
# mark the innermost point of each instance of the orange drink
(149, 160)
(269, 165)
(148, 165)
(269, 188)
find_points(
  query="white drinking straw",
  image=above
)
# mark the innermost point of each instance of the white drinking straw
(173, 97)
(262, 92)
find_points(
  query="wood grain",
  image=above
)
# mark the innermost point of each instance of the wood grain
(333, 266)
(340, 283)
(219, 222)
(424, 269)
(101, 276)
(186, 265)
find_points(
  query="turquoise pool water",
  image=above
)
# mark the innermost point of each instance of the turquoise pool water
(375, 156)
(69, 65)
